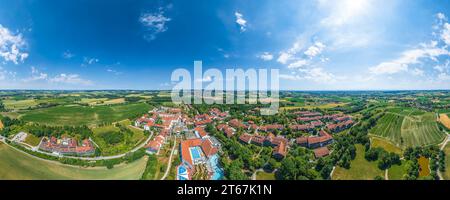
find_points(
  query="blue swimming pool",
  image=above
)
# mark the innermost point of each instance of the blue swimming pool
(182, 173)
(195, 153)
(218, 172)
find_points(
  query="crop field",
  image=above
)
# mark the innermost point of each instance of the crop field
(445, 120)
(424, 166)
(19, 104)
(18, 166)
(84, 115)
(360, 168)
(406, 128)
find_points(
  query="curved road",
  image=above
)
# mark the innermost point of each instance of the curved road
(170, 158)
(87, 158)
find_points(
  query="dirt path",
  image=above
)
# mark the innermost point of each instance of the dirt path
(386, 174)
(170, 159)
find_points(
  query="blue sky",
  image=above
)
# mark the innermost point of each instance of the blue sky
(317, 44)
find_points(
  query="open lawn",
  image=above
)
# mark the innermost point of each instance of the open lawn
(385, 144)
(396, 172)
(409, 128)
(360, 168)
(16, 165)
(264, 176)
(32, 140)
(84, 115)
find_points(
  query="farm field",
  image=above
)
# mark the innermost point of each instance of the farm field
(445, 120)
(360, 168)
(407, 128)
(83, 115)
(16, 165)
(386, 145)
(19, 104)
(424, 166)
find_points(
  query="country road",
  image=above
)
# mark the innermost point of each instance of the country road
(85, 158)
(170, 159)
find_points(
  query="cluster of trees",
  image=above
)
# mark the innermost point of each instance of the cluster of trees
(150, 169)
(344, 151)
(57, 131)
(296, 166)
(2, 107)
(434, 154)
(384, 158)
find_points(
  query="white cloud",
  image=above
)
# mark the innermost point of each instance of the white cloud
(115, 72)
(440, 16)
(445, 35)
(409, 57)
(36, 75)
(315, 74)
(67, 54)
(417, 72)
(286, 56)
(298, 64)
(205, 79)
(266, 56)
(155, 23)
(7, 75)
(89, 61)
(344, 11)
(240, 21)
(11, 46)
(70, 79)
(443, 76)
(315, 49)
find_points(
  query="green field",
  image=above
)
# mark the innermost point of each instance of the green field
(19, 104)
(16, 165)
(407, 128)
(396, 172)
(360, 168)
(265, 176)
(84, 115)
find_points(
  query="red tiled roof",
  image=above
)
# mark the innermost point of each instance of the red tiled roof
(321, 152)
(208, 148)
(245, 137)
(201, 131)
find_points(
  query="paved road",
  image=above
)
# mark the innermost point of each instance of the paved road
(91, 158)
(170, 159)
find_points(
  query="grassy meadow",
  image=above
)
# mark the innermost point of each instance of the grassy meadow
(360, 168)
(18, 166)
